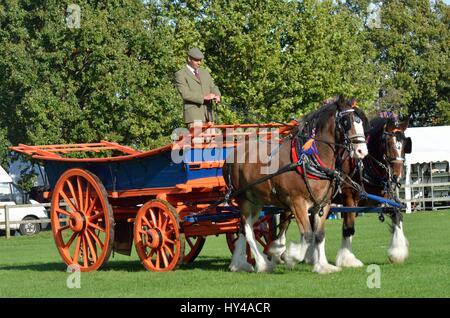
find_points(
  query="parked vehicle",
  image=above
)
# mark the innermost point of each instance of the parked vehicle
(12, 195)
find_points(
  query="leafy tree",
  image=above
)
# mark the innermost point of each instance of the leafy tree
(109, 79)
(413, 57)
(279, 58)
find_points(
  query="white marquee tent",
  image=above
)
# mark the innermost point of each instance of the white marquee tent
(429, 144)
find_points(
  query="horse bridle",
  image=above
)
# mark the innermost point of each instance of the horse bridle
(344, 124)
(400, 137)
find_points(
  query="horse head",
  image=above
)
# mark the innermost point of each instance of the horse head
(350, 123)
(396, 145)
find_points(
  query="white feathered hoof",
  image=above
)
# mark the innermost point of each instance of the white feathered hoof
(325, 269)
(292, 255)
(266, 267)
(398, 255)
(276, 251)
(241, 267)
(345, 258)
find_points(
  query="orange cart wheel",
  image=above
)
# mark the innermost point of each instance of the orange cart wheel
(192, 248)
(265, 232)
(157, 236)
(86, 239)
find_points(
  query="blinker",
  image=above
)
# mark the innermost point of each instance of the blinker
(408, 145)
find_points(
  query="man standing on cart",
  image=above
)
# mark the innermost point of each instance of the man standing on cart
(197, 89)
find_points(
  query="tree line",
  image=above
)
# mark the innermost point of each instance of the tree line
(111, 76)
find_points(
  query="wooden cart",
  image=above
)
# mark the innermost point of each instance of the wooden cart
(103, 204)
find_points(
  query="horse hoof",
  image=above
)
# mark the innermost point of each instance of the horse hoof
(398, 255)
(345, 258)
(264, 269)
(326, 269)
(244, 267)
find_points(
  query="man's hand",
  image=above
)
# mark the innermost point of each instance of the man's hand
(217, 98)
(210, 96)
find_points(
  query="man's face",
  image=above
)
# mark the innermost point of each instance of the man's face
(194, 63)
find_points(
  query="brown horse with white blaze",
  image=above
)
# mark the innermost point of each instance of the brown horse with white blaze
(307, 160)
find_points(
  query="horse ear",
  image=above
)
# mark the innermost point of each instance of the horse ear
(341, 101)
(390, 125)
(404, 124)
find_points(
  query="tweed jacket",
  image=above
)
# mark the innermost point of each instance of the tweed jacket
(192, 91)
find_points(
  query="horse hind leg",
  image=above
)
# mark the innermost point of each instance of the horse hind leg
(398, 249)
(345, 256)
(262, 262)
(239, 262)
(278, 246)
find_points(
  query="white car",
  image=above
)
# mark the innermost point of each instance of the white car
(11, 195)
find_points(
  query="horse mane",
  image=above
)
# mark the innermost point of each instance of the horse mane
(315, 119)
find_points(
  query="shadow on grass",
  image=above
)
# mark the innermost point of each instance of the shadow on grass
(218, 264)
(130, 266)
(209, 264)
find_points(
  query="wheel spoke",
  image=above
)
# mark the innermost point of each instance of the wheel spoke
(89, 210)
(170, 241)
(164, 257)
(68, 201)
(163, 227)
(157, 259)
(86, 196)
(91, 247)
(85, 251)
(61, 211)
(189, 241)
(147, 222)
(64, 228)
(96, 238)
(95, 217)
(70, 241)
(152, 214)
(159, 220)
(152, 252)
(80, 194)
(72, 191)
(77, 249)
(169, 250)
(96, 226)
(258, 238)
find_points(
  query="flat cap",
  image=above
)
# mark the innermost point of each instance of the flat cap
(195, 53)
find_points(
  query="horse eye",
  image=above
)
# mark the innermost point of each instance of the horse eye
(357, 119)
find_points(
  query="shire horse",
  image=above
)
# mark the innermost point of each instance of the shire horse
(310, 153)
(383, 168)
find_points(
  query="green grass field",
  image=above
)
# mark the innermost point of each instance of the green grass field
(31, 267)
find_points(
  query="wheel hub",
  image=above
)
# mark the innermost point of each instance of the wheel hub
(155, 238)
(77, 221)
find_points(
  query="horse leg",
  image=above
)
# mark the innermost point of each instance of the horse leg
(278, 246)
(239, 261)
(262, 262)
(345, 256)
(295, 252)
(398, 250)
(321, 264)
